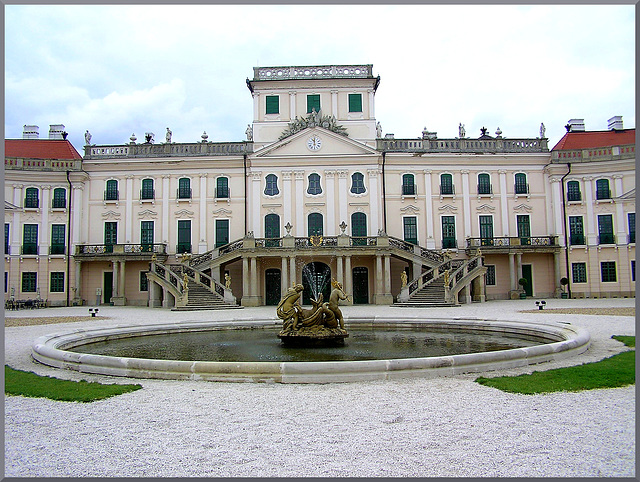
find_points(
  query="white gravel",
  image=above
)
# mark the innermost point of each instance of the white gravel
(446, 427)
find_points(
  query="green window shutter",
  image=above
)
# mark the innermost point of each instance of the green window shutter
(146, 235)
(57, 239)
(355, 102)
(605, 229)
(273, 104)
(222, 188)
(184, 237)
(57, 282)
(410, 230)
(30, 239)
(313, 102)
(29, 282)
(147, 189)
(446, 184)
(222, 232)
(59, 198)
(359, 229)
(315, 224)
(576, 230)
(486, 230)
(449, 232)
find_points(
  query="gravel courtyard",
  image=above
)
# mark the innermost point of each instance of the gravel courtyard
(441, 427)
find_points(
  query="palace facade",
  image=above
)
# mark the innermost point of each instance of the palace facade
(316, 192)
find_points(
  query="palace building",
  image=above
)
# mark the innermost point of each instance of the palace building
(316, 192)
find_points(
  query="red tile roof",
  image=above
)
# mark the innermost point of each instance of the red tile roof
(595, 139)
(40, 149)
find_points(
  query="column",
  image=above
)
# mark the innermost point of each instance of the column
(76, 212)
(332, 226)
(621, 222)
(287, 201)
(556, 274)
(16, 225)
(284, 284)
(165, 211)
(299, 203)
(44, 209)
(122, 295)
(339, 270)
(558, 216)
(379, 275)
(387, 276)
(372, 114)
(253, 276)
(589, 219)
(245, 281)
(342, 195)
(116, 278)
(334, 103)
(256, 178)
(292, 104)
(503, 202)
(128, 209)
(466, 202)
(256, 107)
(202, 235)
(428, 205)
(512, 272)
(374, 199)
(519, 265)
(77, 288)
(292, 270)
(348, 279)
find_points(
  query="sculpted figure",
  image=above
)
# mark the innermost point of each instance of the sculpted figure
(168, 136)
(185, 281)
(403, 278)
(249, 132)
(337, 294)
(227, 281)
(542, 130)
(378, 130)
(461, 131)
(446, 277)
(289, 308)
(87, 138)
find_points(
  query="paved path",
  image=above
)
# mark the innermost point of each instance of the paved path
(449, 427)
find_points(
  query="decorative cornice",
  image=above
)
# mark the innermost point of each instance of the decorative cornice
(148, 214)
(410, 209)
(485, 208)
(222, 212)
(313, 120)
(286, 175)
(329, 174)
(183, 213)
(448, 208)
(111, 215)
(299, 174)
(523, 207)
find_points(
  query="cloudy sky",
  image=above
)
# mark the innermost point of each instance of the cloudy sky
(117, 70)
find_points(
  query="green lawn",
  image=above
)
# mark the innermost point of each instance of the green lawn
(616, 371)
(28, 384)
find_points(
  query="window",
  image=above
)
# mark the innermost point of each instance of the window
(633, 270)
(608, 271)
(147, 191)
(408, 185)
(523, 225)
(111, 193)
(605, 229)
(355, 102)
(184, 237)
(314, 184)
(57, 282)
(31, 199)
(491, 275)
(357, 183)
(222, 232)
(222, 188)
(410, 229)
(521, 186)
(30, 239)
(359, 229)
(632, 227)
(29, 281)
(110, 235)
(573, 191)
(59, 198)
(576, 230)
(315, 224)
(579, 272)
(313, 102)
(184, 188)
(144, 282)
(6, 281)
(484, 184)
(271, 189)
(449, 232)
(146, 236)
(602, 189)
(6, 238)
(57, 239)
(446, 185)
(273, 104)
(486, 230)
(272, 229)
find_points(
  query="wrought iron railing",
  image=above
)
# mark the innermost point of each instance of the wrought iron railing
(97, 249)
(507, 241)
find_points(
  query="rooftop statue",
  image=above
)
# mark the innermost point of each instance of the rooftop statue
(168, 136)
(87, 138)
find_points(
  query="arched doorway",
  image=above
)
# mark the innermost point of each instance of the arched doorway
(316, 279)
(272, 283)
(360, 285)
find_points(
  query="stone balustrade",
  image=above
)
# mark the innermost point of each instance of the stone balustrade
(314, 72)
(195, 149)
(491, 145)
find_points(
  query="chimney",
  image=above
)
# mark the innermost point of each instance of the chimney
(575, 125)
(55, 131)
(615, 123)
(30, 132)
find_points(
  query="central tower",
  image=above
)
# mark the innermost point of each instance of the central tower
(346, 92)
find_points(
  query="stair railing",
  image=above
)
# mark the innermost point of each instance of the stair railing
(176, 283)
(204, 280)
(461, 273)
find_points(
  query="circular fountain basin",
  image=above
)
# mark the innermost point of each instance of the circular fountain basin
(555, 341)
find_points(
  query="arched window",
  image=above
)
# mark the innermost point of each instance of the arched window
(59, 198)
(314, 222)
(602, 189)
(446, 184)
(222, 188)
(271, 229)
(573, 191)
(408, 185)
(184, 188)
(271, 188)
(357, 183)
(31, 198)
(484, 184)
(147, 191)
(314, 184)
(521, 186)
(111, 193)
(359, 229)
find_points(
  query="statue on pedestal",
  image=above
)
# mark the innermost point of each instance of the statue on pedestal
(227, 281)
(87, 138)
(403, 278)
(168, 136)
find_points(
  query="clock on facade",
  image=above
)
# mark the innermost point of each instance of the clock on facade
(314, 143)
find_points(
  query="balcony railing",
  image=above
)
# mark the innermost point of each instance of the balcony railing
(112, 195)
(183, 193)
(463, 145)
(512, 241)
(59, 203)
(446, 190)
(408, 190)
(449, 243)
(30, 249)
(182, 248)
(576, 239)
(606, 239)
(485, 189)
(521, 188)
(632, 238)
(194, 149)
(147, 194)
(31, 203)
(125, 249)
(574, 196)
(602, 194)
(57, 249)
(222, 193)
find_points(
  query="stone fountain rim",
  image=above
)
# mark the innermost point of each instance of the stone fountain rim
(565, 340)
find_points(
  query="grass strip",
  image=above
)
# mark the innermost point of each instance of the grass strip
(29, 384)
(616, 371)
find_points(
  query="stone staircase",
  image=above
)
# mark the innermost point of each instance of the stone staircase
(431, 295)
(200, 298)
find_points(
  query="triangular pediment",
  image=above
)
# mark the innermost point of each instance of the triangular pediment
(315, 141)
